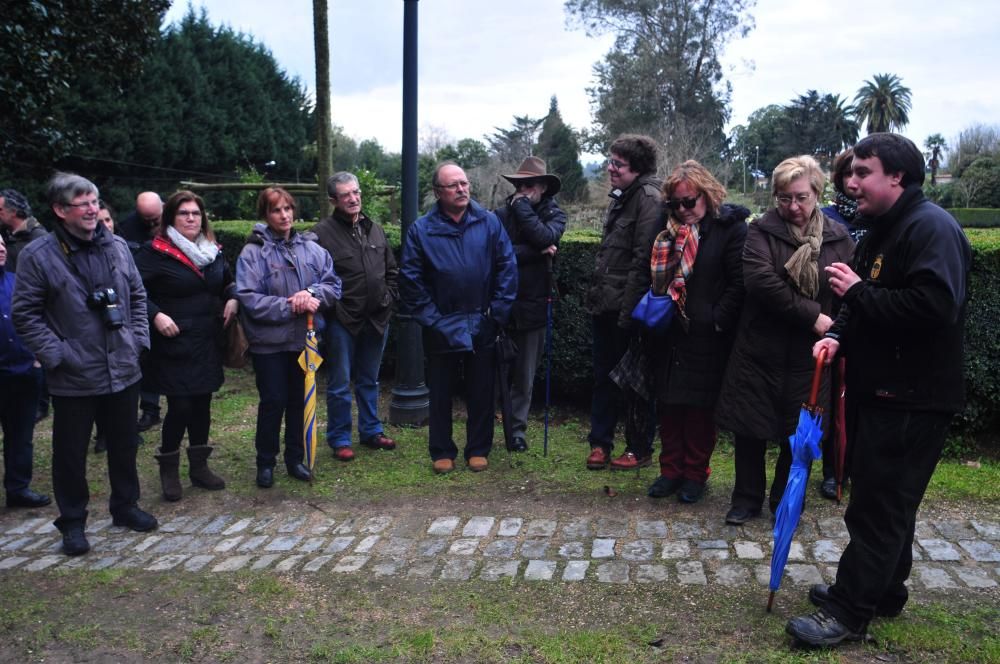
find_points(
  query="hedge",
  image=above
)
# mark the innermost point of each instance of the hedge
(571, 365)
(977, 217)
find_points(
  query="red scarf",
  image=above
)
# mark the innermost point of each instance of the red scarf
(165, 246)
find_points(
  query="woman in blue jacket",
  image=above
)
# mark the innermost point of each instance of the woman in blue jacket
(20, 384)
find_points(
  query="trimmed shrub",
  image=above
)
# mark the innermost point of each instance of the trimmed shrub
(571, 352)
(977, 217)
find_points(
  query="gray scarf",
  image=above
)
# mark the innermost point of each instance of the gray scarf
(201, 252)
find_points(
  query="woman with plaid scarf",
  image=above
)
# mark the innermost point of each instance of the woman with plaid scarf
(697, 260)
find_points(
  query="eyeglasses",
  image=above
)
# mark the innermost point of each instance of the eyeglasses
(454, 186)
(85, 205)
(785, 200)
(618, 165)
(686, 203)
(193, 214)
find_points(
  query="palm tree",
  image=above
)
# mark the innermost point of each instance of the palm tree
(935, 144)
(884, 102)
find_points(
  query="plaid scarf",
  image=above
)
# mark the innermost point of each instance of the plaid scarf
(672, 260)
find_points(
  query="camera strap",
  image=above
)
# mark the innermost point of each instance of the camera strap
(85, 277)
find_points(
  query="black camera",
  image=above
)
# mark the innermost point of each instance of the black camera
(105, 300)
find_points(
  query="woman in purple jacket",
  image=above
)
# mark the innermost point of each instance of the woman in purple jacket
(281, 276)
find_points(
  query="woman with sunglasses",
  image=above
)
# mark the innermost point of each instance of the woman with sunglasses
(697, 261)
(788, 307)
(191, 296)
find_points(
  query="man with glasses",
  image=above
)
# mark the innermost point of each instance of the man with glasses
(458, 279)
(534, 222)
(80, 307)
(138, 228)
(358, 323)
(621, 277)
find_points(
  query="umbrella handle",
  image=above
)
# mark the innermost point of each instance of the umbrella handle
(817, 375)
(309, 322)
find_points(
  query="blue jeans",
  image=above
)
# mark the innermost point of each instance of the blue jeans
(348, 357)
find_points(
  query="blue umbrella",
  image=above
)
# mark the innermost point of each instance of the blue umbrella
(805, 449)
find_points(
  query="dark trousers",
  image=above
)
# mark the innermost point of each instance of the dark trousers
(149, 402)
(688, 435)
(894, 454)
(186, 413)
(18, 402)
(72, 420)
(477, 370)
(609, 345)
(751, 473)
(281, 386)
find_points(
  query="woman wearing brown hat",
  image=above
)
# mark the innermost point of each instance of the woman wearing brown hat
(534, 222)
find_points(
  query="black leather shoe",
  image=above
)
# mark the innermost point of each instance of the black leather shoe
(663, 487)
(135, 519)
(265, 477)
(820, 629)
(147, 420)
(75, 542)
(518, 444)
(738, 515)
(27, 498)
(828, 489)
(819, 593)
(690, 491)
(300, 472)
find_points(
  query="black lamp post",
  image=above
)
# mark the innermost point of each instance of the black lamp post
(410, 397)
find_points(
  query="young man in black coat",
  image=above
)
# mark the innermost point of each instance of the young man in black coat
(901, 330)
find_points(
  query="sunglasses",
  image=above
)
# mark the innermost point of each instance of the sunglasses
(687, 203)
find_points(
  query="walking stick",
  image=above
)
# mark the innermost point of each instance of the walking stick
(548, 349)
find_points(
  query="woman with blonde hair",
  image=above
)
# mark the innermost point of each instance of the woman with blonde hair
(788, 307)
(697, 261)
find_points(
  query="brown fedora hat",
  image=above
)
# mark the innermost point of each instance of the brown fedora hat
(533, 168)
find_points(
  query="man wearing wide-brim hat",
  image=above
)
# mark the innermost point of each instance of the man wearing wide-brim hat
(535, 223)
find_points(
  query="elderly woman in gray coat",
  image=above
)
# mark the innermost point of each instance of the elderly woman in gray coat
(788, 307)
(282, 276)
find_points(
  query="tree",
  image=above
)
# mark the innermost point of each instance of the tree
(559, 147)
(760, 141)
(973, 142)
(980, 183)
(512, 146)
(935, 145)
(663, 76)
(884, 103)
(47, 48)
(817, 125)
(469, 153)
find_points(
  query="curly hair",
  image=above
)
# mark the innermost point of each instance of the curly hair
(640, 152)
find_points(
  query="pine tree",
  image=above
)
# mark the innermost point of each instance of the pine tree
(559, 147)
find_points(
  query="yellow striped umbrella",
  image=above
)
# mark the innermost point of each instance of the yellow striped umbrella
(309, 360)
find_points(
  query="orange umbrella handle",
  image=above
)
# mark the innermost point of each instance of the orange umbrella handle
(309, 321)
(817, 375)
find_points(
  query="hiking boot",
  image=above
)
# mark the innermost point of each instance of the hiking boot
(819, 593)
(598, 459)
(820, 629)
(74, 542)
(630, 461)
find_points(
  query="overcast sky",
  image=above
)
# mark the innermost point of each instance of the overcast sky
(483, 62)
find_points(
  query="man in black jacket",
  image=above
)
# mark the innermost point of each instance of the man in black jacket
(358, 324)
(19, 227)
(138, 228)
(901, 330)
(534, 222)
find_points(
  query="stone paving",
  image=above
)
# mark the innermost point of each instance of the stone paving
(948, 554)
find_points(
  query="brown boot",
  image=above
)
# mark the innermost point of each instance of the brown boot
(201, 476)
(170, 478)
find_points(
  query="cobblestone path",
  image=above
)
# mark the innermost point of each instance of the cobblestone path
(948, 554)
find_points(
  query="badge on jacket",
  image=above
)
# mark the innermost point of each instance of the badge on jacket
(876, 268)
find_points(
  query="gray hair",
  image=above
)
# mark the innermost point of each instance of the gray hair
(64, 187)
(340, 177)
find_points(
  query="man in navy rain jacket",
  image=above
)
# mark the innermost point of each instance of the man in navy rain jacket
(458, 279)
